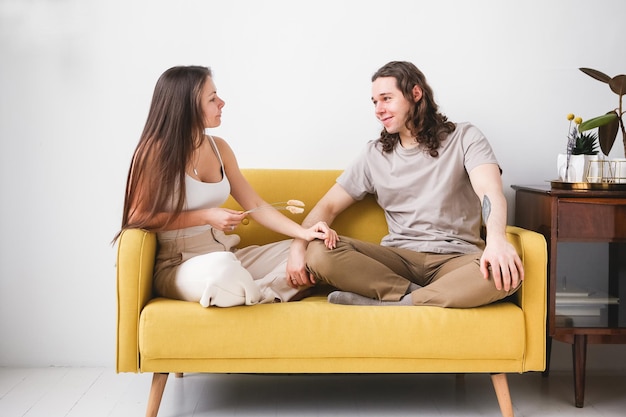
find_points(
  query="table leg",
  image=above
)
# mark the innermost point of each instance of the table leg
(579, 354)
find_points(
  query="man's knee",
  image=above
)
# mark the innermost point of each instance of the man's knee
(316, 254)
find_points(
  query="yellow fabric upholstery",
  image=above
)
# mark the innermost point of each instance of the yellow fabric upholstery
(313, 336)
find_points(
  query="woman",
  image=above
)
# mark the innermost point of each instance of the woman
(178, 179)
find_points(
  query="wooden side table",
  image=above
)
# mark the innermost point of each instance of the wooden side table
(579, 216)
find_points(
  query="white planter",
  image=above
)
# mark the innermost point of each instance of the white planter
(577, 170)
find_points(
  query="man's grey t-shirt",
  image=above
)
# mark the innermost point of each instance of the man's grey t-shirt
(429, 203)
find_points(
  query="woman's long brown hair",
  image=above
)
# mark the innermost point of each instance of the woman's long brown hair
(173, 130)
(427, 125)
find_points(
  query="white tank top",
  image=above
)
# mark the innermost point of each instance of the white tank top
(201, 195)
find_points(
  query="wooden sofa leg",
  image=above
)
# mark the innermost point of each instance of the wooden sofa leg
(501, 386)
(156, 393)
(179, 374)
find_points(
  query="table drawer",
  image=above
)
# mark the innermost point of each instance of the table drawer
(595, 219)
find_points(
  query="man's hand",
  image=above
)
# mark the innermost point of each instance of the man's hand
(297, 274)
(501, 258)
(318, 220)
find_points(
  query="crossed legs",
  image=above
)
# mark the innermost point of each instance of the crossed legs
(385, 273)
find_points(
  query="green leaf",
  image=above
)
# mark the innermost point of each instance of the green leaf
(600, 76)
(618, 84)
(607, 134)
(597, 121)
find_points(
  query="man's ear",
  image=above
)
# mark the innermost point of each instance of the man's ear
(417, 93)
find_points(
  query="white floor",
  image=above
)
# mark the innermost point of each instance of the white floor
(94, 392)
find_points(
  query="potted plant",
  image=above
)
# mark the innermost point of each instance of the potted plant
(581, 148)
(610, 123)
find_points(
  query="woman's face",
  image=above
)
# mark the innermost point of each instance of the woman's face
(390, 105)
(211, 104)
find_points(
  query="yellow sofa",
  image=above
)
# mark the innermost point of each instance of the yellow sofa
(313, 336)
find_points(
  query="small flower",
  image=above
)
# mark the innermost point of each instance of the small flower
(294, 209)
(580, 143)
(297, 203)
(292, 206)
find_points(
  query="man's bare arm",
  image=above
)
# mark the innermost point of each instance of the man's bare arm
(326, 210)
(499, 255)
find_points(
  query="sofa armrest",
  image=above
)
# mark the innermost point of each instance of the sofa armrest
(136, 252)
(532, 249)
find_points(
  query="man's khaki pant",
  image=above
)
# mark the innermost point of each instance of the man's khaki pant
(385, 273)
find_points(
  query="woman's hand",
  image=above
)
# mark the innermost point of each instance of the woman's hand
(224, 219)
(322, 231)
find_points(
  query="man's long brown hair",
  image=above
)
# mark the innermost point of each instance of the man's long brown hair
(173, 130)
(426, 124)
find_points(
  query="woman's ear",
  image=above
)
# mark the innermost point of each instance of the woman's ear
(417, 93)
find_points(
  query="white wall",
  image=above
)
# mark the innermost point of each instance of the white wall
(76, 77)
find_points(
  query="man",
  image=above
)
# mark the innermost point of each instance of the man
(436, 181)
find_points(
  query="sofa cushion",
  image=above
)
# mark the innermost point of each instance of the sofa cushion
(314, 328)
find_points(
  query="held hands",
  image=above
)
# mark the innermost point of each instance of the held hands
(227, 220)
(501, 259)
(321, 231)
(297, 274)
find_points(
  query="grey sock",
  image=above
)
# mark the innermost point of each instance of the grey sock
(412, 287)
(350, 298)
